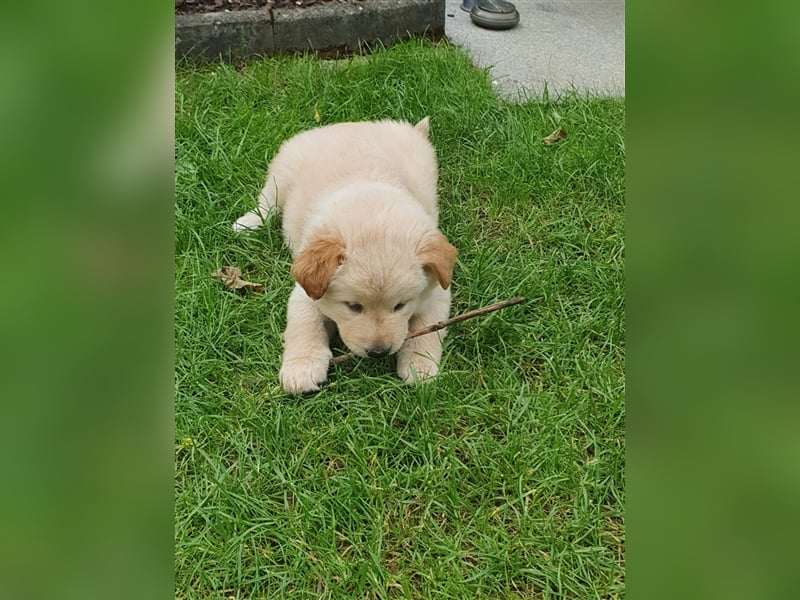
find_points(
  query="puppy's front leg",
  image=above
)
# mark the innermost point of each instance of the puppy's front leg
(419, 357)
(307, 352)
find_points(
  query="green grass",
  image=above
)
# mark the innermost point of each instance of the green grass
(504, 477)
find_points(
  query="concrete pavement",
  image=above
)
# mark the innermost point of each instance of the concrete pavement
(562, 45)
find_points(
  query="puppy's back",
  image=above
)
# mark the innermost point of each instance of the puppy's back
(319, 160)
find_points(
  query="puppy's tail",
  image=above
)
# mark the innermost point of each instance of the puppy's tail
(267, 206)
(424, 126)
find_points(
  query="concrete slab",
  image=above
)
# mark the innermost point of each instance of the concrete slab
(343, 27)
(232, 35)
(332, 29)
(559, 46)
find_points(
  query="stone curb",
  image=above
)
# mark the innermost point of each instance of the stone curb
(330, 29)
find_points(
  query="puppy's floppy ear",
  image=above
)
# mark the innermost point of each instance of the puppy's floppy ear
(438, 256)
(314, 267)
(424, 126)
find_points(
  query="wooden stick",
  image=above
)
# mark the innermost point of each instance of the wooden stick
(478, 312)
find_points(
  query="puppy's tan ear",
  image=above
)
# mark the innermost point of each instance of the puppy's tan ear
(314, 267)
(439, 257)
(424, 126)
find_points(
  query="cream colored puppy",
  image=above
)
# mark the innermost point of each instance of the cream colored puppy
(360, 218)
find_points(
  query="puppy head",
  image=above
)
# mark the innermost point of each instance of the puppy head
(317, 262)
(379, 286)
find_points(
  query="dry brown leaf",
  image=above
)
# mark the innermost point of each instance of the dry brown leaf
(232, 279)
(558, 134)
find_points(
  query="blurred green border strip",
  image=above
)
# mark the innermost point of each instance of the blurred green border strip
(86, 162)
(712, 294)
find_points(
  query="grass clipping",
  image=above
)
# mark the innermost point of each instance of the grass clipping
(478, 312)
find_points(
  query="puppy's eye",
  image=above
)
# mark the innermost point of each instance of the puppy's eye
(400, 306)
(354, 306)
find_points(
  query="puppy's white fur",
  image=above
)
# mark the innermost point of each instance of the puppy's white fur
(360, 218)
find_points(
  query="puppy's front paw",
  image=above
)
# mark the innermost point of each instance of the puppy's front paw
(413, 368)
(304, 375)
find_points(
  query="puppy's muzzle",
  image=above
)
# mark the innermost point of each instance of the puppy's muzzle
(378, 351)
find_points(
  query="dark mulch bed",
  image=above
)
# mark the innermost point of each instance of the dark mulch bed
(183, 7)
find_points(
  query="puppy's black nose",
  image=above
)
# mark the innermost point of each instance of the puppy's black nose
(378, 351)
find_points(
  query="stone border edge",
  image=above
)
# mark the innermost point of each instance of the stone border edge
(327, 29)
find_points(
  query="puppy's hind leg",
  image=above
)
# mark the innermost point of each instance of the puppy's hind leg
(267, 204)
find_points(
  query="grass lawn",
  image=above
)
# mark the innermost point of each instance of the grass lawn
(502, 478)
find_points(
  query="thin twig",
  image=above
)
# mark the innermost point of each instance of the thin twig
(478, 312)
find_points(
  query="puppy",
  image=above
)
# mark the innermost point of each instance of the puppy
(359, 209)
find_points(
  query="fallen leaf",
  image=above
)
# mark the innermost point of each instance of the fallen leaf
(555, 136)
(232, 279)
(317, 116)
